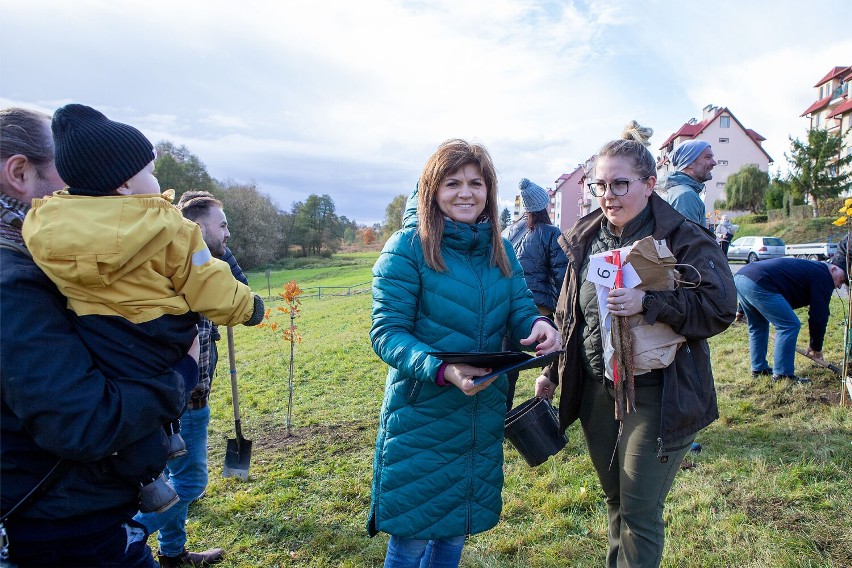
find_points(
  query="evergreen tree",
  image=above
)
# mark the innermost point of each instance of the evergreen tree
(505, 218)
(820, 168)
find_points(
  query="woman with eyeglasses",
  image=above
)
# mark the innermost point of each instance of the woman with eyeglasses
(636, 458)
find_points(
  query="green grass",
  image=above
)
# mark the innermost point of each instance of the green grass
(771, 487)
(336, 275)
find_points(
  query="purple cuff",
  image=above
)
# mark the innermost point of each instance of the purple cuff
(439, 380)
(548, 320)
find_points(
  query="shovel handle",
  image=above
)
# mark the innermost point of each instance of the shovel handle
(234, 396)
(823, 364)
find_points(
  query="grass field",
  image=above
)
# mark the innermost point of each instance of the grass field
(771, 487)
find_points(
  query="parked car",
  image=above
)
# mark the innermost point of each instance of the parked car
(752, 249)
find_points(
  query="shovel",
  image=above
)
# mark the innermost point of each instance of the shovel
(819, 362)
(823, 364)
(238, 451)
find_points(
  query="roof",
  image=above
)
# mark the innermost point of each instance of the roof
(754, 135)
(693, 130)
(842, 108)
(565, 177)
(832, 74)
(819, 105)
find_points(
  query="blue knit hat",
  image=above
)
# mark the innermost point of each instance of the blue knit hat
(687, 152)
(533, 196)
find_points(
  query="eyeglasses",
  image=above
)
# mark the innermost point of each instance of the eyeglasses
(617, 187)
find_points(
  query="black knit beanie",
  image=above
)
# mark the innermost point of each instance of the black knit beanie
(95, 155)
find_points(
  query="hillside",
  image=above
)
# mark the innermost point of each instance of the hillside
(792, 231)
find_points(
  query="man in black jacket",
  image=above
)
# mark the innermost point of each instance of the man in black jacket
(59, 413)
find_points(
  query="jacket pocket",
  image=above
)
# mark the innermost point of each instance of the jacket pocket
(413, 392)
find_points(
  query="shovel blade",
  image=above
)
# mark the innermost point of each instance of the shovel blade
(237, 459)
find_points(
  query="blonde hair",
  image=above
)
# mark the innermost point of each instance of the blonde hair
(448, 158)
(633, 145)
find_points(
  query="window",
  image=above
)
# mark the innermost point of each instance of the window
(722, 162)
(720, 184)
(723, 140)
(725, 122)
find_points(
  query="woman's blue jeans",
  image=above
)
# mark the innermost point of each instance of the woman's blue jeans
(413, 553)
(762, 307)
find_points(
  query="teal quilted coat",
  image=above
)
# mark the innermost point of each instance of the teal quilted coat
(438, 467)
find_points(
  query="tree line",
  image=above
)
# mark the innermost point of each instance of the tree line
(263, 233)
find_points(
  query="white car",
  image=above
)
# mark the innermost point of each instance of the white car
(752, 249)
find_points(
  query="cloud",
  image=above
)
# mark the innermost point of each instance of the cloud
(350, 98)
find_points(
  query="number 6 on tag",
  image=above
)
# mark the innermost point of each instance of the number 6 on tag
(601, 272)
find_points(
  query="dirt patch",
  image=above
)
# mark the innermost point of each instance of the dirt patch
(277, 439)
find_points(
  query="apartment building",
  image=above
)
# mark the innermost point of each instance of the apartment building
(833, 108)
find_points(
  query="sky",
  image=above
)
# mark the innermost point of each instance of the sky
(350, 98)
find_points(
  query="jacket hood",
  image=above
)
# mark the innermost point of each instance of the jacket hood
(680, 178)
(93, 241)
(665, 220)
(409, 217)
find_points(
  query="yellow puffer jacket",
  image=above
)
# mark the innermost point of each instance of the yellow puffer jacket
(133, 256)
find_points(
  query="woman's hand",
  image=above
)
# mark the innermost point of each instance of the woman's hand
(547, 337)
(462, 376)
(625, 301)
(544, 388)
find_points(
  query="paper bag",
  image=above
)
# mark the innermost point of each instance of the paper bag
(654, 346)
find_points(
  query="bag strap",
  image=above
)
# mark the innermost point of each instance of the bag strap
(59, 469)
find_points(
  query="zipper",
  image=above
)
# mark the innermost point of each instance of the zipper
(694, 368)
(719, 278)
(471, 454)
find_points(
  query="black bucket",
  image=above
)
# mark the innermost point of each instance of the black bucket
(533, 428)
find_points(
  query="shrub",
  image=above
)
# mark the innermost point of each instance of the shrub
(751, 219)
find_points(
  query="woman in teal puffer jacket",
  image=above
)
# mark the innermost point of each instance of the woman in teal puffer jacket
(450, 283)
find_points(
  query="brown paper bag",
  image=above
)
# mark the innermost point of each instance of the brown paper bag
(654, 346)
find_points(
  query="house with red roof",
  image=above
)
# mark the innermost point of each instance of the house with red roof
(833, 108)
(734, 146)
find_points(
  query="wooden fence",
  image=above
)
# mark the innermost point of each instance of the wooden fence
(320, 292)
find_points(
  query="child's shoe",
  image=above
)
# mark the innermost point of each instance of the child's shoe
(157, 496)
(177, 447)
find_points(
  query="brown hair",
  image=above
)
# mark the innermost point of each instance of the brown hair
(195, 205)
(537, 218)
(447, 159)
(26, 132)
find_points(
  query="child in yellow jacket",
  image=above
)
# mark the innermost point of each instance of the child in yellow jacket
(135, 272)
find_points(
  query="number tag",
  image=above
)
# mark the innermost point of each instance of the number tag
(603, 273)
(600, 271)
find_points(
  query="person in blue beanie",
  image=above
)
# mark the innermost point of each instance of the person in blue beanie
(693, 162)
(534, 238)
(769, 292)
